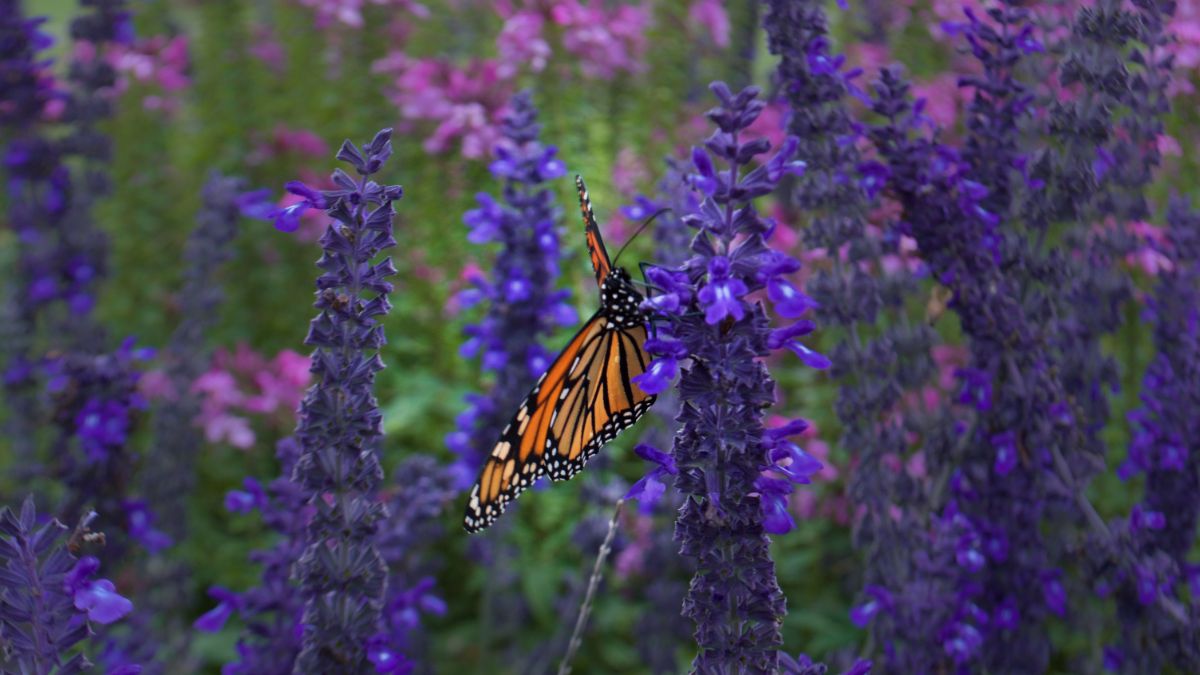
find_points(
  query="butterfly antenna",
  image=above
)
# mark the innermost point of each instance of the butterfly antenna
(639, 231)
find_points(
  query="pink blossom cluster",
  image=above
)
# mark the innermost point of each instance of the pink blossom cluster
(467, 103)
(606, 42)
(243, 385)
(350, 12)
(159, 62)
(605, 39)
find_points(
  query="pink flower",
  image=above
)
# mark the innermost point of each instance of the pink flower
(710, 16)
(468, 103)
(349, 12)
(265, 47)
(606, 42)
(229, 429)
(1168, 146)
(629, 171)
(158, 62)
(520, 42)
(942, 95)
(1149, 257)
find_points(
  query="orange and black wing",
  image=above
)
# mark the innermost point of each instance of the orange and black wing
(595, 242)
(581, 403)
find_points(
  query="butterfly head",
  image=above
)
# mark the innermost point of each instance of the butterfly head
(620, 300)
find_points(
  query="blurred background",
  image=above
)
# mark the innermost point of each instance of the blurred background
(266, 90)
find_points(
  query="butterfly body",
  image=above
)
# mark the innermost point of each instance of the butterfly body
(581, 402)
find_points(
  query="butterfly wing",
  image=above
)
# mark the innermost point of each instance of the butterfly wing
(595, 243)
(581, 403)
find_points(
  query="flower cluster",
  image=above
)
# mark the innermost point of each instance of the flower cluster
(341, 574)
(273, 610)
(36, 192)
(523, 305)
(50, 597)
(242, 384)
(605, 41)
(159, 64)
(95, 403)
(423, 490)
(466, 103)
(1166, 448)
(734, 474)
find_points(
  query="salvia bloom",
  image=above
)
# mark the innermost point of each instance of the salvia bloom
(734, 474)
(874, 367)
(50, 598)
(1166, 448)
(1010, 466)
(95, 405)
(414, 506)
(341, 574)
(273, 610)
(91, 78)
(168, 475)
(36, 193)
(523, 305)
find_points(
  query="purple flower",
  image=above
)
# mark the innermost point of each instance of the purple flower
(287, 219)
(97, 597)
(788, 301)
(247, 500)
(650, 488)
(721, 296)
(658, 375)
(214, 619)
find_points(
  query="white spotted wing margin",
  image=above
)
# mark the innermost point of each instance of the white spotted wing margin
(582, 402)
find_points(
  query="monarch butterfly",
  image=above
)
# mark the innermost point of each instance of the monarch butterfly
(581, 402)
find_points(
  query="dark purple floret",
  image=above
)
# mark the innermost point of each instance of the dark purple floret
(725, 459)
(523, 306)
(342, 576)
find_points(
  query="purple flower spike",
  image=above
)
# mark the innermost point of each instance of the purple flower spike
(724, 391)
(522, 306)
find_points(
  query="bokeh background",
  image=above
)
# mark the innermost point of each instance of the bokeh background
(268, 89)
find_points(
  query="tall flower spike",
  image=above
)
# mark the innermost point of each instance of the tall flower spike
(168, 474)
(1166, 447)
(341, 574)
(873, 365)
(49, 596)
(272, 611)
(722, 452)
(523, 306)
(91, 77)
(36, 194)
